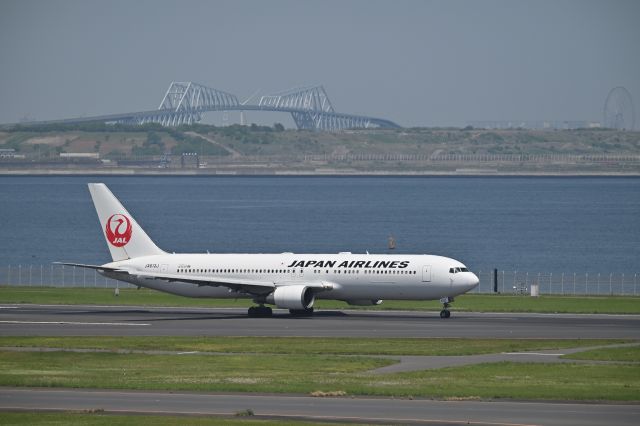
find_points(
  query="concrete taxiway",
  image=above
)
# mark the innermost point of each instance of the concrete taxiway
(80, 320)
(370, 410)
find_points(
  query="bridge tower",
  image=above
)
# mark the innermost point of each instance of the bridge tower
(184, 102)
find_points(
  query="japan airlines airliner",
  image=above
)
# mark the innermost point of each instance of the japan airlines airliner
(286, 280)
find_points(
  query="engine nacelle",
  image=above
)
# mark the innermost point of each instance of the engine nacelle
(363, 302)
(292, 297)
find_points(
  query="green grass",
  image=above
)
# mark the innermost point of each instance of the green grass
(549, 304)
(102, 419)
(526, 381)
(468, 302)
(304, 374)
(624, 354)
(306, 345)
(233, 372)
(103, 296)
(306, 365)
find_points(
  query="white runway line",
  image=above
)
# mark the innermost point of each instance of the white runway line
(72, 323)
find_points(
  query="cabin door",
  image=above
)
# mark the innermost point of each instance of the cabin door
(426, 274)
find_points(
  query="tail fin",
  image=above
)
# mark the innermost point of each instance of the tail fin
(125, 238)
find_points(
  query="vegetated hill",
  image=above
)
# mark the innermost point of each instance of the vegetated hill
(119, 141)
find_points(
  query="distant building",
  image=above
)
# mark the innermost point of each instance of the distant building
(95, 155)
(535, 125)
(7, 153)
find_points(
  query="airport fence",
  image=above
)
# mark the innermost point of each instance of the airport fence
(574, 283)
(53, 275)
(507, 282)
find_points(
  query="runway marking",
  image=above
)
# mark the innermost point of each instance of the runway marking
(188, 353)
(72, 323)
(9, 307)
(531, 353)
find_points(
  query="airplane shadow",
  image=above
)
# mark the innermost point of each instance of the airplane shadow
(148, 315)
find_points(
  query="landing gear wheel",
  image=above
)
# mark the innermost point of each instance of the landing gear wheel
(301, 312)
(445, 313)
(260, 311)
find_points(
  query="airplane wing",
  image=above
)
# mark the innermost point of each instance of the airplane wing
(249, 286)
(236, 284)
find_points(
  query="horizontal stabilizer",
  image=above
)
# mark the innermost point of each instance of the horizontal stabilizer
(97, 267)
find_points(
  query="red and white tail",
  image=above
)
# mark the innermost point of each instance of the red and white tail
(125, 238)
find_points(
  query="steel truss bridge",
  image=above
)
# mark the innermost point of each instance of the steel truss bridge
(185, 102)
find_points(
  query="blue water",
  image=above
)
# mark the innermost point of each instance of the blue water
(526, 224)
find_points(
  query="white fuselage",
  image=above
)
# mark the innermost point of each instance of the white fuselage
(355, 278)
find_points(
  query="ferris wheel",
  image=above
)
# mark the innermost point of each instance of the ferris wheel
(619, 112)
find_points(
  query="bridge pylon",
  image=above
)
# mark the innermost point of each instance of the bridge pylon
(184, 103)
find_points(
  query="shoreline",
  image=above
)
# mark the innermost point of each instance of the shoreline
(470, 172)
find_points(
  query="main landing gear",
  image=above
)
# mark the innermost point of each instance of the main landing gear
(260, 311)
(445, 313)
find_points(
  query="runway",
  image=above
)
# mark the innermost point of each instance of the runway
(81, 320)
(370, 410)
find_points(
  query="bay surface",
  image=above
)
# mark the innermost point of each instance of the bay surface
(536, 224)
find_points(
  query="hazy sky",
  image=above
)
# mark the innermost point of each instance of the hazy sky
(419, 63)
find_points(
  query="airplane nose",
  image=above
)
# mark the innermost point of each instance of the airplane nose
(467, 282)
(473, 281)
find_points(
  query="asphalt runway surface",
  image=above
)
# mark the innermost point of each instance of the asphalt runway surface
(80, 320)
(370, 410)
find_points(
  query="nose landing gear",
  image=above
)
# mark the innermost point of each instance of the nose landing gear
(445, 313)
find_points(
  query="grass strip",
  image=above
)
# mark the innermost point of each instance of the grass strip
(624, 354)
(98, 418)
(306, 345)
(234, 372)
(305, 374)
(467, 302)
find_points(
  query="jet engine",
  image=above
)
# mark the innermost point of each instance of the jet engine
(297, 297)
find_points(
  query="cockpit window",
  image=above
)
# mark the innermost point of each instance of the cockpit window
(457, 269)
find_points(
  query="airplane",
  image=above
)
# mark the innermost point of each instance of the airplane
(287, 280)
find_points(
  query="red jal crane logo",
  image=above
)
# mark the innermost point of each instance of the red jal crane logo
(118, 230)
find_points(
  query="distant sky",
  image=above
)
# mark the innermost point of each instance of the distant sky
(419, 63)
